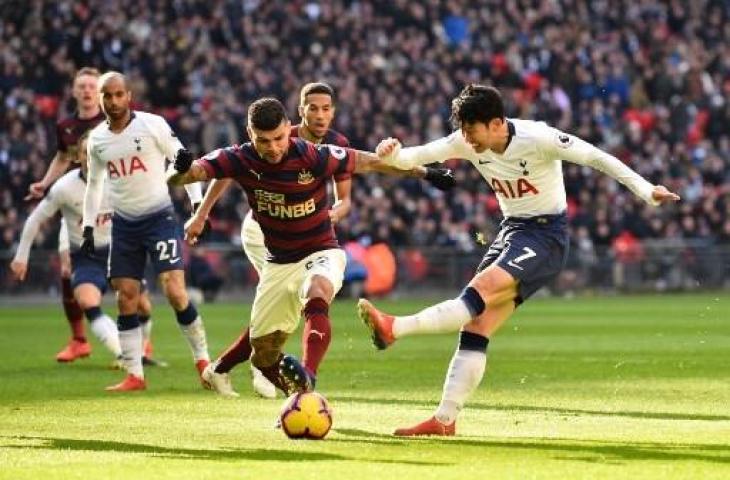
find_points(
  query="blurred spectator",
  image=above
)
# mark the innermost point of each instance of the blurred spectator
(648, 81)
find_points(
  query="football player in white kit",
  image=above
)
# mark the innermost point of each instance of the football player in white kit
(129, 151)
(522, 161)
(88, 277)
(88, 274)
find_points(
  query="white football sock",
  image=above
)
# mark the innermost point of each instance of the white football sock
(105, 329)
(465, 372)
(194, 333)
(448, 316)
(131, 342)
(147, 329)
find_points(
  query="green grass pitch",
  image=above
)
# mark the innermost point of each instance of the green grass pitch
(622, 387)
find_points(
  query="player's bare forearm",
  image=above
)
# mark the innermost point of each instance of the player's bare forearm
(58, 165)
(214, 192)
(368, 162)
(415, 172)
(195, 174)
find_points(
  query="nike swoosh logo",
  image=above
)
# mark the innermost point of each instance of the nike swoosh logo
(484, 162)
(175, 260)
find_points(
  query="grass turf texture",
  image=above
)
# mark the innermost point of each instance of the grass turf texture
(623, 387)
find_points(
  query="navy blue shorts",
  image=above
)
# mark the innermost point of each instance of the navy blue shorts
(533, 250)
(157, 235)
(85, 269)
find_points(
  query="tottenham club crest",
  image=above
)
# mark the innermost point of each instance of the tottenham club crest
(305, 177)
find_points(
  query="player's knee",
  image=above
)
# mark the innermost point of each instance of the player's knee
(174, 290)
(145, 306)
(127, 296)
(266, 349)
(494, 286)
(320, 287)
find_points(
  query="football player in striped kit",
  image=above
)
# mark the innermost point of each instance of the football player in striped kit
(285, 181)
(317, 111)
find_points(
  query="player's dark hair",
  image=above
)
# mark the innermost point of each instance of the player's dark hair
(266, 114)
(476, 103)
(315, 87)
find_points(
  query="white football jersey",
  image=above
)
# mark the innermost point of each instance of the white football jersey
(67, 196)
(133, 163)
(528, 177)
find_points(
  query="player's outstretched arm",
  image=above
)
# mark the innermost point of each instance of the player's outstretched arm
(195, 226)
(391, 153)
(58, 165)
(441, 178)
(45, 210)
(195, 173)
(576, 150)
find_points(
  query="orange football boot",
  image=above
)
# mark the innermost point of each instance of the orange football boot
(429, 427)
(75, 349)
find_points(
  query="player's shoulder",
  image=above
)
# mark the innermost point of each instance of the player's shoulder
(98, 132)
(69, 181)
(66, 122)
(530, 129)
(337, 138)
(539, 134)
(147, 119)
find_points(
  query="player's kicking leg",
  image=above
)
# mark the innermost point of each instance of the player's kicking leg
(506, 277)
(448, 316)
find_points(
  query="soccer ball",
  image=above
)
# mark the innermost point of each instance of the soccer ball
(306, 415)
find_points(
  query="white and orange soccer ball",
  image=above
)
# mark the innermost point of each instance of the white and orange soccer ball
(306, 415)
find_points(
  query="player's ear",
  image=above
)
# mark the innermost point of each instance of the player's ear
(300, 109)
(250, 132)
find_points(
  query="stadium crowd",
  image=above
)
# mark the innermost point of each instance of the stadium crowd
(648, 81)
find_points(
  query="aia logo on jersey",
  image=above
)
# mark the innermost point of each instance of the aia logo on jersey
(305, 177)
(514, 189)
(125, 167)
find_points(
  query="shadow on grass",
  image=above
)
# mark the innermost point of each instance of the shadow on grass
(538, 409)
(225, 454)
(594, 451)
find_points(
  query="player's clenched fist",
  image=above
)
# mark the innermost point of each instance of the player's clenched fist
(19, 269)
(388, 149)
(183, 160)
(662, 195)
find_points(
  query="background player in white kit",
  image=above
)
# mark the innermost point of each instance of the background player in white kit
(88, 274)
(521, 161)
(130, 150)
